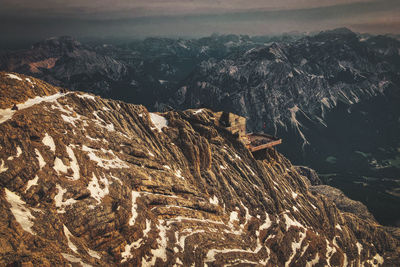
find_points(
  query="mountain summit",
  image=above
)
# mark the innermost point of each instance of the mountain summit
(90, 181)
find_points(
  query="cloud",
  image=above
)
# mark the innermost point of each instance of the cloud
(113, 9)
(130, 19)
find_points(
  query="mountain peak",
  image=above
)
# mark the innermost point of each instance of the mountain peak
(338, 32)
(102, 182)
(58, 43)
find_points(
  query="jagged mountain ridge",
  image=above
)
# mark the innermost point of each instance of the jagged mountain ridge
(329, 97)
(282, 84)
(142, 71)
(63, 61)
(101, 182)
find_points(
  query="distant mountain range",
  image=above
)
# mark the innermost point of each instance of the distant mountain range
(333, 96)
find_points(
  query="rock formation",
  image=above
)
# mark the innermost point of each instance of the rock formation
(64, 61)
(310, 174)
(342, 202)
(89, 181)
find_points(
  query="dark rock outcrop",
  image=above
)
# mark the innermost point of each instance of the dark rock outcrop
(310, 174)
(85, 180)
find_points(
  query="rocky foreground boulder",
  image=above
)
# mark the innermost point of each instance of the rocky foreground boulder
(89, 181)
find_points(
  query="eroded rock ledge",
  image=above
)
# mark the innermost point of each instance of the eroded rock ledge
(86, 180)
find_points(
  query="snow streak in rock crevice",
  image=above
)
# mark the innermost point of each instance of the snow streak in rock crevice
(21, 213)
(6, 114)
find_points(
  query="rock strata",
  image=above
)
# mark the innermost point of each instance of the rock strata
(89, 181)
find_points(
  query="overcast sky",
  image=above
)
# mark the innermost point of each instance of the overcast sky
(27, 19)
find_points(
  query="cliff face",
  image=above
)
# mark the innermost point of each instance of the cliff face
(86, 180)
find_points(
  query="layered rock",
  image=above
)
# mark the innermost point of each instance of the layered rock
(85, 180)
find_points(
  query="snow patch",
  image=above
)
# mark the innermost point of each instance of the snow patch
(198, 111)
(13, 76)
(31, 183)
(158, 121)
(21, 213)
(74, 259)
(39, 157)
(183, 45)
(6, 114)
(96, 191)
(99, 121)
(86, 96)
(132, 220)
(377, 258)
(289, 222)
(68, 235)
(48, 141)
(214, 200)
(179, 219)
(210, 257)
(94, 254)
(104, 163)
(59, 166)
(313, 262)
(19, 153)
(178, 174)
(295, 247)
(161, 251)
(341, 66)
(330, 250)
(325, 101)
(359, 248)
(233, 217)
(267, 223)
(237, 156)
(29, 81)
(70, 119)
(126, 254)
(296, 123)
(148, 228)
(150, 154)
(60, 204)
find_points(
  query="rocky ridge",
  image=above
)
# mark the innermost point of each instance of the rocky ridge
(292, 86)
(99, 182)
(63, 61)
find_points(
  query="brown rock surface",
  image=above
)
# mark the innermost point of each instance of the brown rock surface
(343, 202)
(86, 180)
